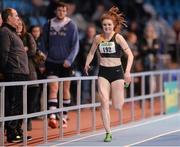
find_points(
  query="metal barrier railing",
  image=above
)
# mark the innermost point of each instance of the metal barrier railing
(147, 79)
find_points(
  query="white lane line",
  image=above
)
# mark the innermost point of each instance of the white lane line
(120, 129)
(155, 137)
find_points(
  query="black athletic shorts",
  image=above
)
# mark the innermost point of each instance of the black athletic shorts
(111, 73)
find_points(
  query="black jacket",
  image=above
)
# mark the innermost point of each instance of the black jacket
(29, 42)
(13, 57)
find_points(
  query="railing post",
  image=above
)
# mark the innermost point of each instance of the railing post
(2, 115)
(78, 104)
(151, 92)
(61, 106)
(93, 94)
(143, 94)
(44, 105)
(161, 91)
(169, 77)
(133, 100)
(25, 113)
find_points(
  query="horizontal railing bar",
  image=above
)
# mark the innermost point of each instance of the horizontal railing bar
(20, 83)
(81, 78)
(141, 97)
(58, 110)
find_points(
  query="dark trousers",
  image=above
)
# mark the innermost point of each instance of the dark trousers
(33, 99)
(14, 102)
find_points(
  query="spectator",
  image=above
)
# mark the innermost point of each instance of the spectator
(14, 65)
(100, 9)
(60, 42)
(36, 32)
(131, 38)
(77, 18)
(137, 64)
(133, 42)
(0, 20)
(85, 45)
(1, 75)
(33, 90)
(176, 27)
(149, 47)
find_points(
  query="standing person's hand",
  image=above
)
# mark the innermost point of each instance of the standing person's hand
(86, 69)
(42, 70)
(66, 64)
(26, 48)
(127, 77)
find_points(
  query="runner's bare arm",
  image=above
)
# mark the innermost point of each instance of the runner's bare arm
(122, 42)
(91, 53)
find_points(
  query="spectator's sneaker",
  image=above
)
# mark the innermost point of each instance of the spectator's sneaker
(108, 137)
(65, 116)
(64, 123)
(20, 133)
(14, 139)
(53, 123)
(18, 139)
(29, 138)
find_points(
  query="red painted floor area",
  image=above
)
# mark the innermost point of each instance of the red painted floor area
(86, 122)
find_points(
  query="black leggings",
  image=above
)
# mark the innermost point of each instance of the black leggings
(111, 73)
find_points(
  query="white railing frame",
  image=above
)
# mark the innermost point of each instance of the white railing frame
(79, 106)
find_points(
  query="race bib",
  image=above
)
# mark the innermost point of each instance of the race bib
(107, 47)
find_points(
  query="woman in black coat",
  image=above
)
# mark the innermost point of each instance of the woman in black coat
(30, 47)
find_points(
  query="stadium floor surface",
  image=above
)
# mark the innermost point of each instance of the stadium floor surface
(86, 123)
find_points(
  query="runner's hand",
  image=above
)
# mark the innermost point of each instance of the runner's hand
(86, 69)
(127, 77)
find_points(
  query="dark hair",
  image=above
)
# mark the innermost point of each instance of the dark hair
(5, 13)
(91, 25)
(35, 26)
(61, 4)
(116, 16)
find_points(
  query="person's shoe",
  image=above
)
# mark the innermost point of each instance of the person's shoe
(53, 123)
(13, 136)
(64, 123)
(29, 138)
(14, 139)
(108, 137)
